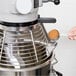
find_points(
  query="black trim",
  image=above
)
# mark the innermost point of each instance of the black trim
(36, 3)
(19, 24)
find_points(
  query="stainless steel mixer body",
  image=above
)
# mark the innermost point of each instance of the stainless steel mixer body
(25, 49)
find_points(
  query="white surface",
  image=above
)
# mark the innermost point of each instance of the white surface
(66, 55)
(65, 13)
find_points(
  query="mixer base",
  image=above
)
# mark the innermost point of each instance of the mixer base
(39, 72)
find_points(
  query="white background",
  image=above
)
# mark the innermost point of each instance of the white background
(65, 13)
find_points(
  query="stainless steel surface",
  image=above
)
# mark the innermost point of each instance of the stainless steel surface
(38, 72)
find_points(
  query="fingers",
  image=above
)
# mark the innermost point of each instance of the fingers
(72, 37)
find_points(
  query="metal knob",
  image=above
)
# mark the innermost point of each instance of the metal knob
(56, 2)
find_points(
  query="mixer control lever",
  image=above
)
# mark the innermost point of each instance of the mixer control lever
(47, 20)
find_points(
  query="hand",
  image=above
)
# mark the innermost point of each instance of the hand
(72, 33)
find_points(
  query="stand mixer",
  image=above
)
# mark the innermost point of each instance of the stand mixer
(25, 48)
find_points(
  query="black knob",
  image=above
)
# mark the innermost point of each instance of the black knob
(56, 2)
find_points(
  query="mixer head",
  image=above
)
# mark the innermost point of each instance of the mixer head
(20, 11)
